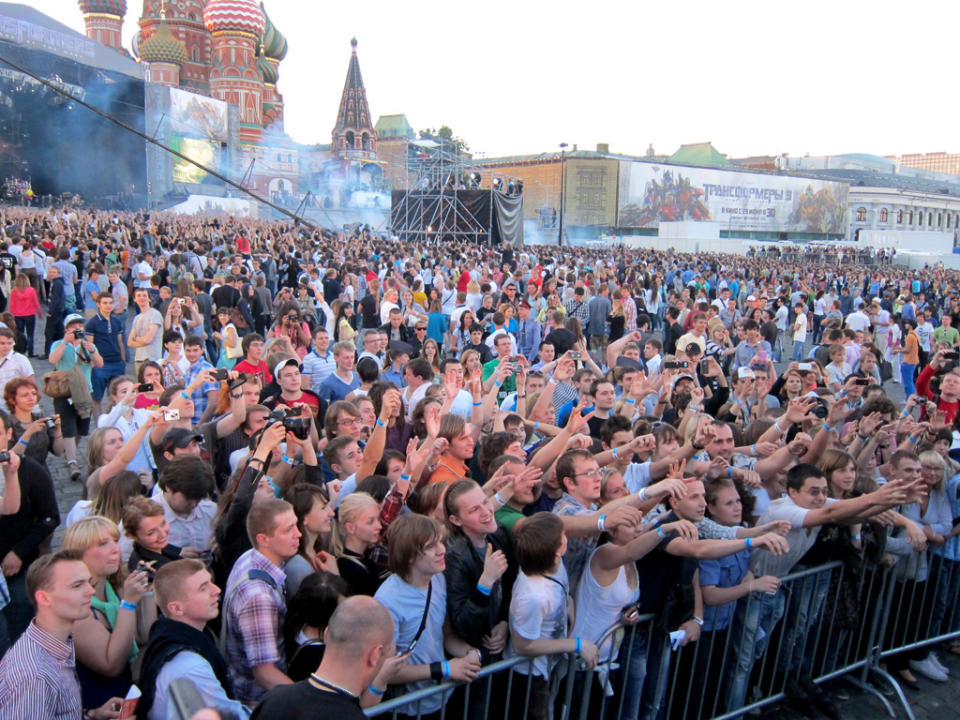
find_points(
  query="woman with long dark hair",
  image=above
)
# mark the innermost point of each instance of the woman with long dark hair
(314, 511)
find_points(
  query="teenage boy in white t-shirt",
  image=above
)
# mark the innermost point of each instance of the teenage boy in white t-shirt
(799, 329)
(541, 610)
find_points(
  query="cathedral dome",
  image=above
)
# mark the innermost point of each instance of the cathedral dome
(106, 7)
(274, 43)
(268, 70)
(162, 46)
(234, 16)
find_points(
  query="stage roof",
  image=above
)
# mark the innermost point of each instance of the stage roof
(23, 26)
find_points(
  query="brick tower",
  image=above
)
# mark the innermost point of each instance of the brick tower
(354, 137)
(104, 21)
(237, 27)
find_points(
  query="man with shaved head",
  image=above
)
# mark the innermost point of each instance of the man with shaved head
(358, 638)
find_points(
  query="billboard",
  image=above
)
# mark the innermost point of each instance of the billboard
(651, 193)
(206, 152)
(198, 116)
(591, 192)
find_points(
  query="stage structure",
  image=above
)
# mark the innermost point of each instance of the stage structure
(444, 199)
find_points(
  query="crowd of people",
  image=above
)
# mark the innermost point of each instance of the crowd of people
(323, 467)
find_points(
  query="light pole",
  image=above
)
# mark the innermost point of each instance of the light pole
(563, 184)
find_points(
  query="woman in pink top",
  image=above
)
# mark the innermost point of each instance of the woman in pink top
(25, 307)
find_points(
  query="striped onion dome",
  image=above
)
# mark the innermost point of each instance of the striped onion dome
(234, 16)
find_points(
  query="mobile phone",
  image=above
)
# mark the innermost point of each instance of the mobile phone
(221, 374)
(516, 367)
(861, 381)
(704, 366)
(805, 367)
(172, 414)
(576, 355)
(952, 355)
(145, 387)
(676, 365)
(4, 457)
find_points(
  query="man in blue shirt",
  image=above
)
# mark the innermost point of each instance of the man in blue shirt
(318, 364)
(528, 333)
(91, 290)
(343, 380)
(107, 334)
(205, 397)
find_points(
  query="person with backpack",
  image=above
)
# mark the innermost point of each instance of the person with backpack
(255, 602)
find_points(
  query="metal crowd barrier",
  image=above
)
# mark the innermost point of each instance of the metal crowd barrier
(830, 623)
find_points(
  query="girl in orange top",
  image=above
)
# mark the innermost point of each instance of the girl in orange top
(911, 356)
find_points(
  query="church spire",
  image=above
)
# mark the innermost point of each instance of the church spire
(354, 136)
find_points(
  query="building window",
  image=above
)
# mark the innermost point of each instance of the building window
(195, 54)
(861, 214)
(930, 219)
(948, 220)
(899, 217)
(884, 215)
(920, 219)
(939, 219)
(910, 221)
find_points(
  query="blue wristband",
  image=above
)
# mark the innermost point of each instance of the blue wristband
(614, 452)
(749, 542)
(729, 472)
(913, 440)
(380, 423)
(446, 669)
(127, 605)
(602, 523)
(374, 691)
(23, 442)
(404, 477)
(184, 395)
(536, 425)
(630, 401)
(753, 449)
(497, 383)
(484, 590)
(477, 404)
(660, 531)
(579, 645)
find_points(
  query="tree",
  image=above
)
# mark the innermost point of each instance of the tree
(445, 135)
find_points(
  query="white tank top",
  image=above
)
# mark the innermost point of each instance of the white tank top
(600, 607)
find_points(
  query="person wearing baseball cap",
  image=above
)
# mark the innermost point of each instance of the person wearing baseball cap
(75, 347)
(181, 441)
(287, 375)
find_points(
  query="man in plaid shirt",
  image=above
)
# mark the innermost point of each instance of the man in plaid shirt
(254, 606)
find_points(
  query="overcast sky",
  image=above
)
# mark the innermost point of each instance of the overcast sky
(754, 78)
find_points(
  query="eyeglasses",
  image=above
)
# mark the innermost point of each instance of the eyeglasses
(589, 473)
(349, 421)
(817, 492)
(421, 329)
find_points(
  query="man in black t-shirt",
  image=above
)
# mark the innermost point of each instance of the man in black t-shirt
(358, 638)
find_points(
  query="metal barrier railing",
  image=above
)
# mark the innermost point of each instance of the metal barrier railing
(825, 624)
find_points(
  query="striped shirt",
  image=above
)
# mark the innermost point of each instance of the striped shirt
(318, 368)
(38, 678)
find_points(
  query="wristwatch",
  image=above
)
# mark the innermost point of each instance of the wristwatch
(697, 620)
